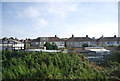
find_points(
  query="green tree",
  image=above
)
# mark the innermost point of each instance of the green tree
(54, 46)
(85, 45)
(115, 57)
(11, 38)
(41, 65)
(48, 46)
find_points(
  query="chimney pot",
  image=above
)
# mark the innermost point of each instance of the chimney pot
(55, 35)
(102, 36)
(72, 35)
(86, 35)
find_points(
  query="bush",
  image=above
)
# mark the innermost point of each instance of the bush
(40, 65)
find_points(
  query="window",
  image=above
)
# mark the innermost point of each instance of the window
(117, 42)
(36, 42)
(44, 38)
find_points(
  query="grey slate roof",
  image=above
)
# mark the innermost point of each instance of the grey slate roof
(109, 39)
(81, 39)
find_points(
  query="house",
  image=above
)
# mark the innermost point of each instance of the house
(0, 44)
(40, 41)
(109, 41)
(12, 44)
(77, 42)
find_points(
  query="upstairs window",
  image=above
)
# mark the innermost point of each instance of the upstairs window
(117, 42)
(108, 42)
(36, 43)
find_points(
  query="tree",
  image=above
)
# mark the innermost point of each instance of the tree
(115, 57)
(11, 38)
(34, 65)
(54, 46)
(48, 46)
(27, 46)
(85, 45)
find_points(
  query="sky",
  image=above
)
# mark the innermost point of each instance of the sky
(47, 19)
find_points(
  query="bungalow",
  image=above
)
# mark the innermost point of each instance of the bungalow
(109, 41)
(11, 44)
(40, 41)
(77, 42)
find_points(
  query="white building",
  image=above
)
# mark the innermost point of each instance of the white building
(98, 50)
(11, 44)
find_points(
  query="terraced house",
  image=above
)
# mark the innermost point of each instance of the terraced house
(72, 42)
(76, 42)
(40, 41)
(109, 41)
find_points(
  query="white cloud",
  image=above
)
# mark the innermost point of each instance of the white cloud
(19, 14)
(42, 22)
(62, 9)
(93, 30)
(41, 16)
(10, 12)
(31, 12)
(59, 10)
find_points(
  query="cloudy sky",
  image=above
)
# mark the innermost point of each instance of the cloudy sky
(39, 19)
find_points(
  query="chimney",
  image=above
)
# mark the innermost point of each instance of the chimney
(114, 35)
(55, 35)
(16, 38)
(93, 37)
(102, 36)
(86, 35)
(72, 35)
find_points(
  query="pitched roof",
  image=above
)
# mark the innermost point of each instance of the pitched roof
(13, 40)
(109, 39)
(50, 39)
(17, 41)
(80, 39)
(54, 39)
